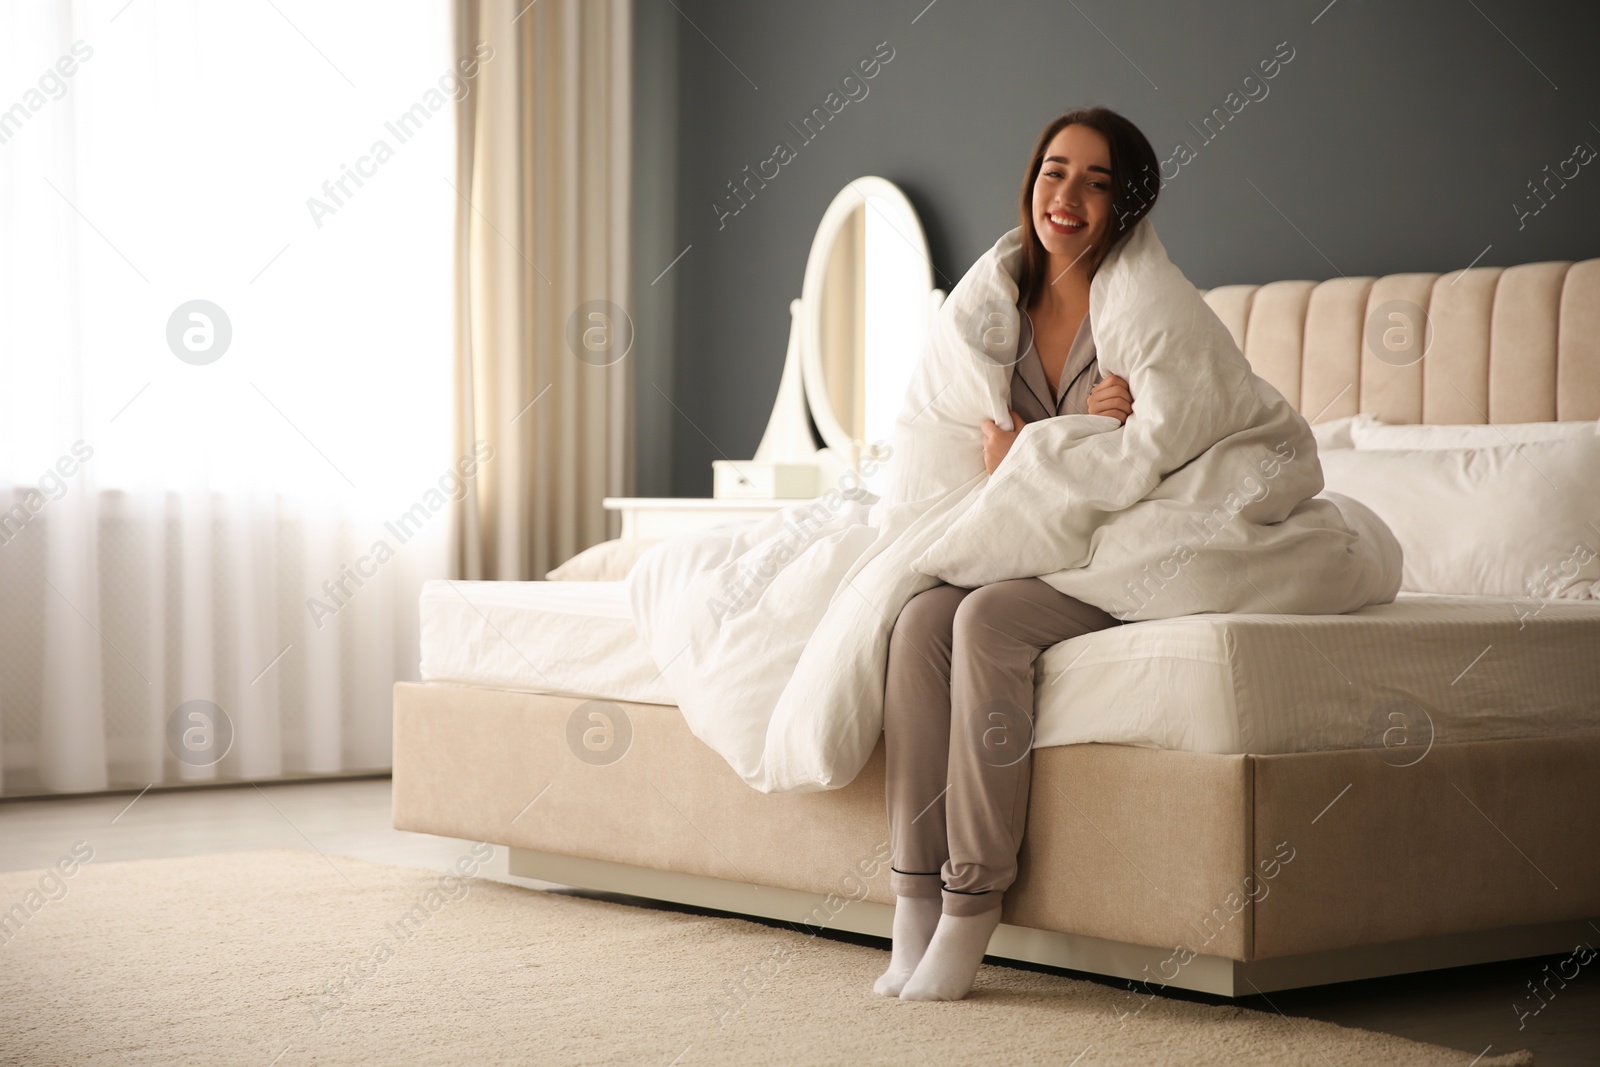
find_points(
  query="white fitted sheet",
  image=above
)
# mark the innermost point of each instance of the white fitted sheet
(1423, 669)
(569, 638)
(1440, 668)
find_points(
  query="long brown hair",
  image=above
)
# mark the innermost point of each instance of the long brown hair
(1135, 183)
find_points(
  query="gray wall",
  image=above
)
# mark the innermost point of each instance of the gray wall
(653, 300)
(1397, 138)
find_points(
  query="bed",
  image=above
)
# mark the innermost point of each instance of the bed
(1226, 803)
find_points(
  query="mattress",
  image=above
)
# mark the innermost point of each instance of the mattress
(566, 638)
(1400, 676)
(1397, 678)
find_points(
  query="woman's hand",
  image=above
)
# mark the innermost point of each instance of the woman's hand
(997, 442)
(1110, 396)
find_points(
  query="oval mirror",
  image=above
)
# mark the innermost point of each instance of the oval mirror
(866, 300)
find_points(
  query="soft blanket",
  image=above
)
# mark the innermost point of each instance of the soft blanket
(774, 634)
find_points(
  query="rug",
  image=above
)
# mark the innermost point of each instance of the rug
(286, 957)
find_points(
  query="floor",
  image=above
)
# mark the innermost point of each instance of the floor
(1470, 1008)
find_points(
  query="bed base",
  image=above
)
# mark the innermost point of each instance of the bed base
(1226, 874)
(1074, 952)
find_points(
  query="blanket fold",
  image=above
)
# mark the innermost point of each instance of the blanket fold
(774, 635)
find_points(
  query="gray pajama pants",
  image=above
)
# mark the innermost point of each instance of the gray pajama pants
(958, 733)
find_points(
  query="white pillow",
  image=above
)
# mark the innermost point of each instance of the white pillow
(609, 561)
(1508, 521)
(1335, 433)
(1368, 432)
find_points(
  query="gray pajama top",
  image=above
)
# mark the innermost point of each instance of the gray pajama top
(1030, 392)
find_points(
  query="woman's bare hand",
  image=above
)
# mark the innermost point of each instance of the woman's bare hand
(997, 442)
(1110, 396)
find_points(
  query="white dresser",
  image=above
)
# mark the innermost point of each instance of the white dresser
(844, 373)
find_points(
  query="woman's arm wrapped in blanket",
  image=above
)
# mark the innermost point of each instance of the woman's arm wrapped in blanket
(1207, 438)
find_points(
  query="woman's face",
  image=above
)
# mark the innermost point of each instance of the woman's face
(1072, 194)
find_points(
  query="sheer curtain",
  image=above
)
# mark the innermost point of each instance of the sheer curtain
(226, 461)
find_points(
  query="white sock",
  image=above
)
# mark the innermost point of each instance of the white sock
(951, 962)
(915, 919)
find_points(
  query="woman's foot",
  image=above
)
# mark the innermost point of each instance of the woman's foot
(950, 964)
(915, 919)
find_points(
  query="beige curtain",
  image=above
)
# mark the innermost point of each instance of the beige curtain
(543, 360)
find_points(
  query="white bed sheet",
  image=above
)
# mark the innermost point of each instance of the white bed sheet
(1397, 676)
(568, 638)
(1425, 669)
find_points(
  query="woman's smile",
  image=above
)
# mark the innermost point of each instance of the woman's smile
(1064, 222)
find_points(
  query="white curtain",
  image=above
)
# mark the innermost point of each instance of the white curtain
(231, 502)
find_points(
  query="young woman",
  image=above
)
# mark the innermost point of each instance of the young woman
(958, 702)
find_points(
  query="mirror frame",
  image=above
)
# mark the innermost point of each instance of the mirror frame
(855, 194)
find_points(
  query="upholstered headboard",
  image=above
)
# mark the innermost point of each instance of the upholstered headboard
(1510, 344)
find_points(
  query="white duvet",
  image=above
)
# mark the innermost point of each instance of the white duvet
(774, 634)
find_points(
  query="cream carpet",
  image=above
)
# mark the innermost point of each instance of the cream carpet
(283, 957)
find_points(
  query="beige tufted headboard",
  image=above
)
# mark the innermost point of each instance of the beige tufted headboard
(1510, 344)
